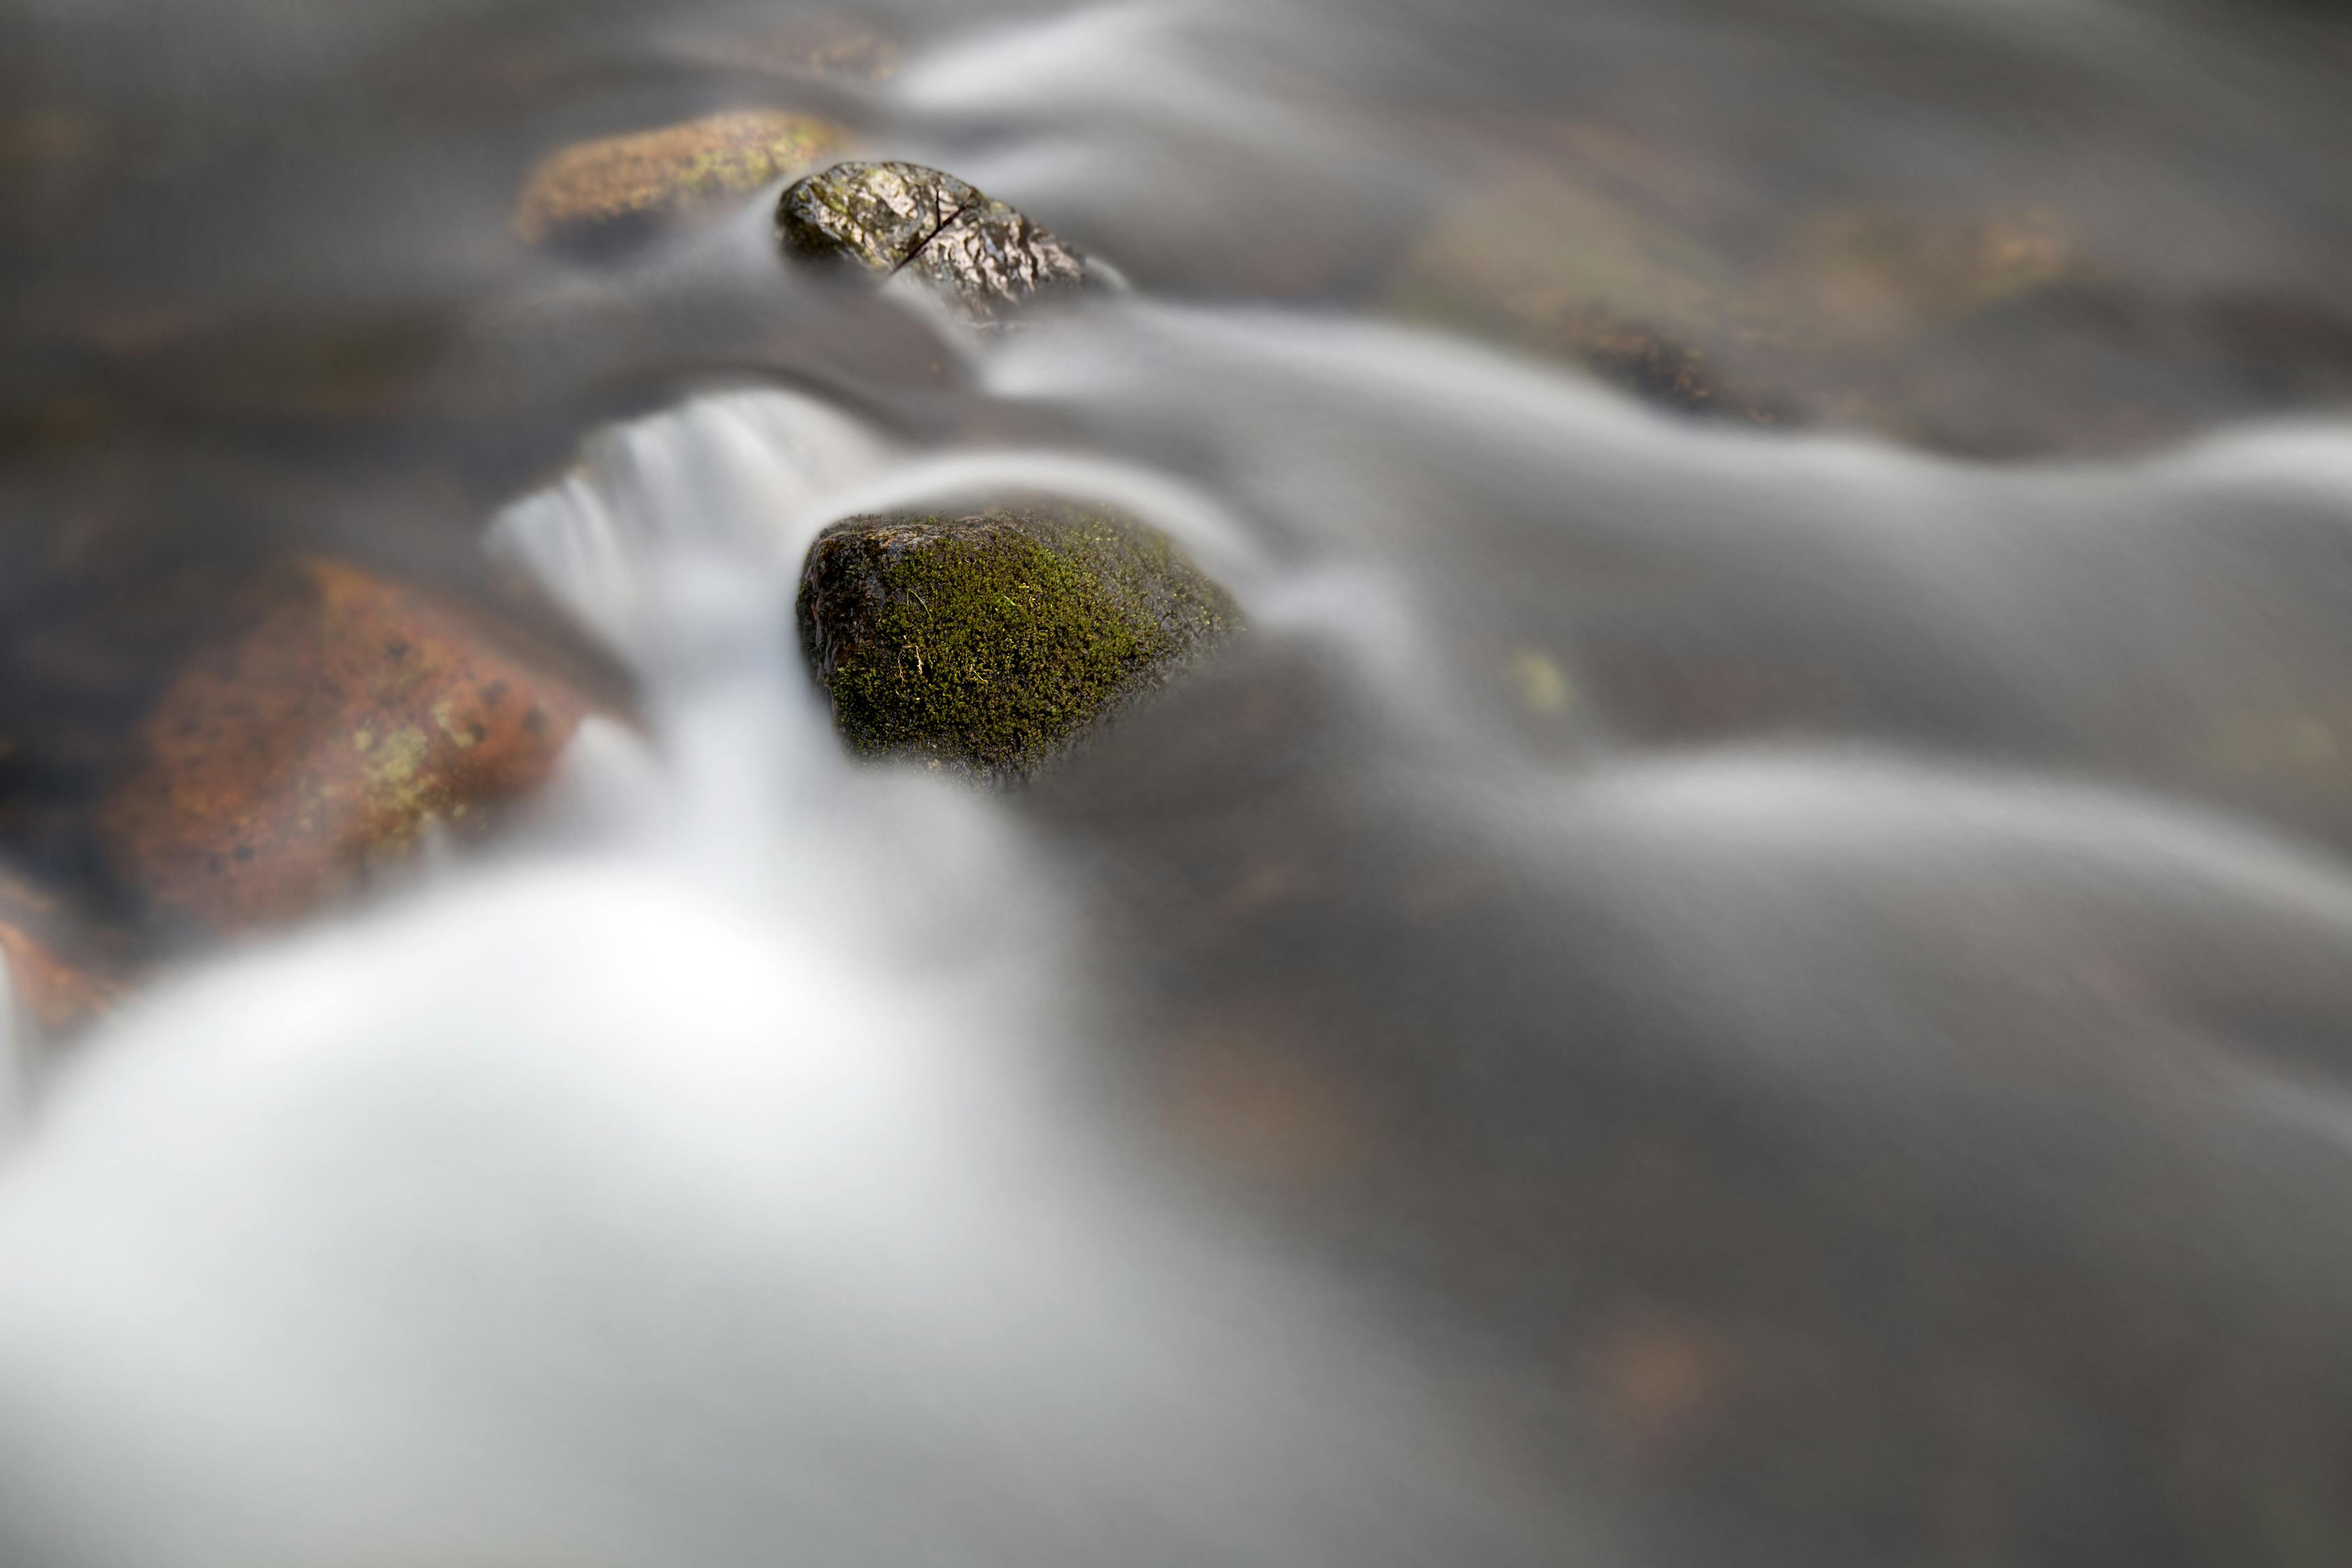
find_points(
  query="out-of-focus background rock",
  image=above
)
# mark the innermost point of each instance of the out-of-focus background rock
(1980, 331)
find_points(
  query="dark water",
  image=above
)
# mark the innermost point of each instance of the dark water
(1748, 968)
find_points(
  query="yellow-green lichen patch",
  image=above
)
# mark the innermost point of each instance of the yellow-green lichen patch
(986, 642)
(398, 789)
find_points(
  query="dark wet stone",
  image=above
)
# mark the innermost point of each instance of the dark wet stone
(879, 215)
(987, 643)
(976, 253)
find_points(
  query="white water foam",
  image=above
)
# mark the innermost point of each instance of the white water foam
(700, 1183)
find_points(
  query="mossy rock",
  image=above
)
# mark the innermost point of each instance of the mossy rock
(621, 186)
(987, 643)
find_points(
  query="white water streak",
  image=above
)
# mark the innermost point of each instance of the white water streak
(703, 1186)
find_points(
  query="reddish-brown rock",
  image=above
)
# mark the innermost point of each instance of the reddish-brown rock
(52, 983)
(345, 715)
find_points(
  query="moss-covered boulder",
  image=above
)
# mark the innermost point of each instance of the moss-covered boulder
(617, 187)
(985, 259)
(986, 643)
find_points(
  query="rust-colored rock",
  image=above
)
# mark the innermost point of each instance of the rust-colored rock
(622, 184)
(52, 984)
(346, 715)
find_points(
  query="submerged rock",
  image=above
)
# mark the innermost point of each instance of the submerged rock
(981, 257)
(822, 45)
(619, 185)
(344, 715)
(1659, 369)
(1608, 258)
(987, 643)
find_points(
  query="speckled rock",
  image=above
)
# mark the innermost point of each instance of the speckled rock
(620, 185)
(988, 643)
(342, 715)
(984, 258)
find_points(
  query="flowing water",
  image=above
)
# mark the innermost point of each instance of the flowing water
(1692, 990)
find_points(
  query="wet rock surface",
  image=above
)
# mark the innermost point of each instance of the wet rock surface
(344, 716)
(988, 643)
(985, 259)
(618, 187)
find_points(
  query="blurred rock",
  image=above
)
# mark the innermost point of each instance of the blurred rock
(1659, 369)
(825, 45)
(56, 982)
(1267, 1111)
(52, 164)
(979, 256)
(1656, 1385)
(1563, 260)
(1988, 334)
(986, 643)
(341, 718)
(800, 43)
(621, 186)
(297, 368)
(1862, 275)
(2101, 365)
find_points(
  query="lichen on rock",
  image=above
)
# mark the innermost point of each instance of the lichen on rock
(987, 643)
(981, 257)
(344, 716)
(619, 185)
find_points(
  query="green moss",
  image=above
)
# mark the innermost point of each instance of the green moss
(986, 642)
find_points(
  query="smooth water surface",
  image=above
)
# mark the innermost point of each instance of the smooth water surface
(1695, 989)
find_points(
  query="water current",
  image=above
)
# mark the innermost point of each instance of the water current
(1696, 989)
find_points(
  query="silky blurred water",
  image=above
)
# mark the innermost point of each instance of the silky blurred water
(1692, 990)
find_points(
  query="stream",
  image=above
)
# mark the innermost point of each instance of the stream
(1746, 963)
